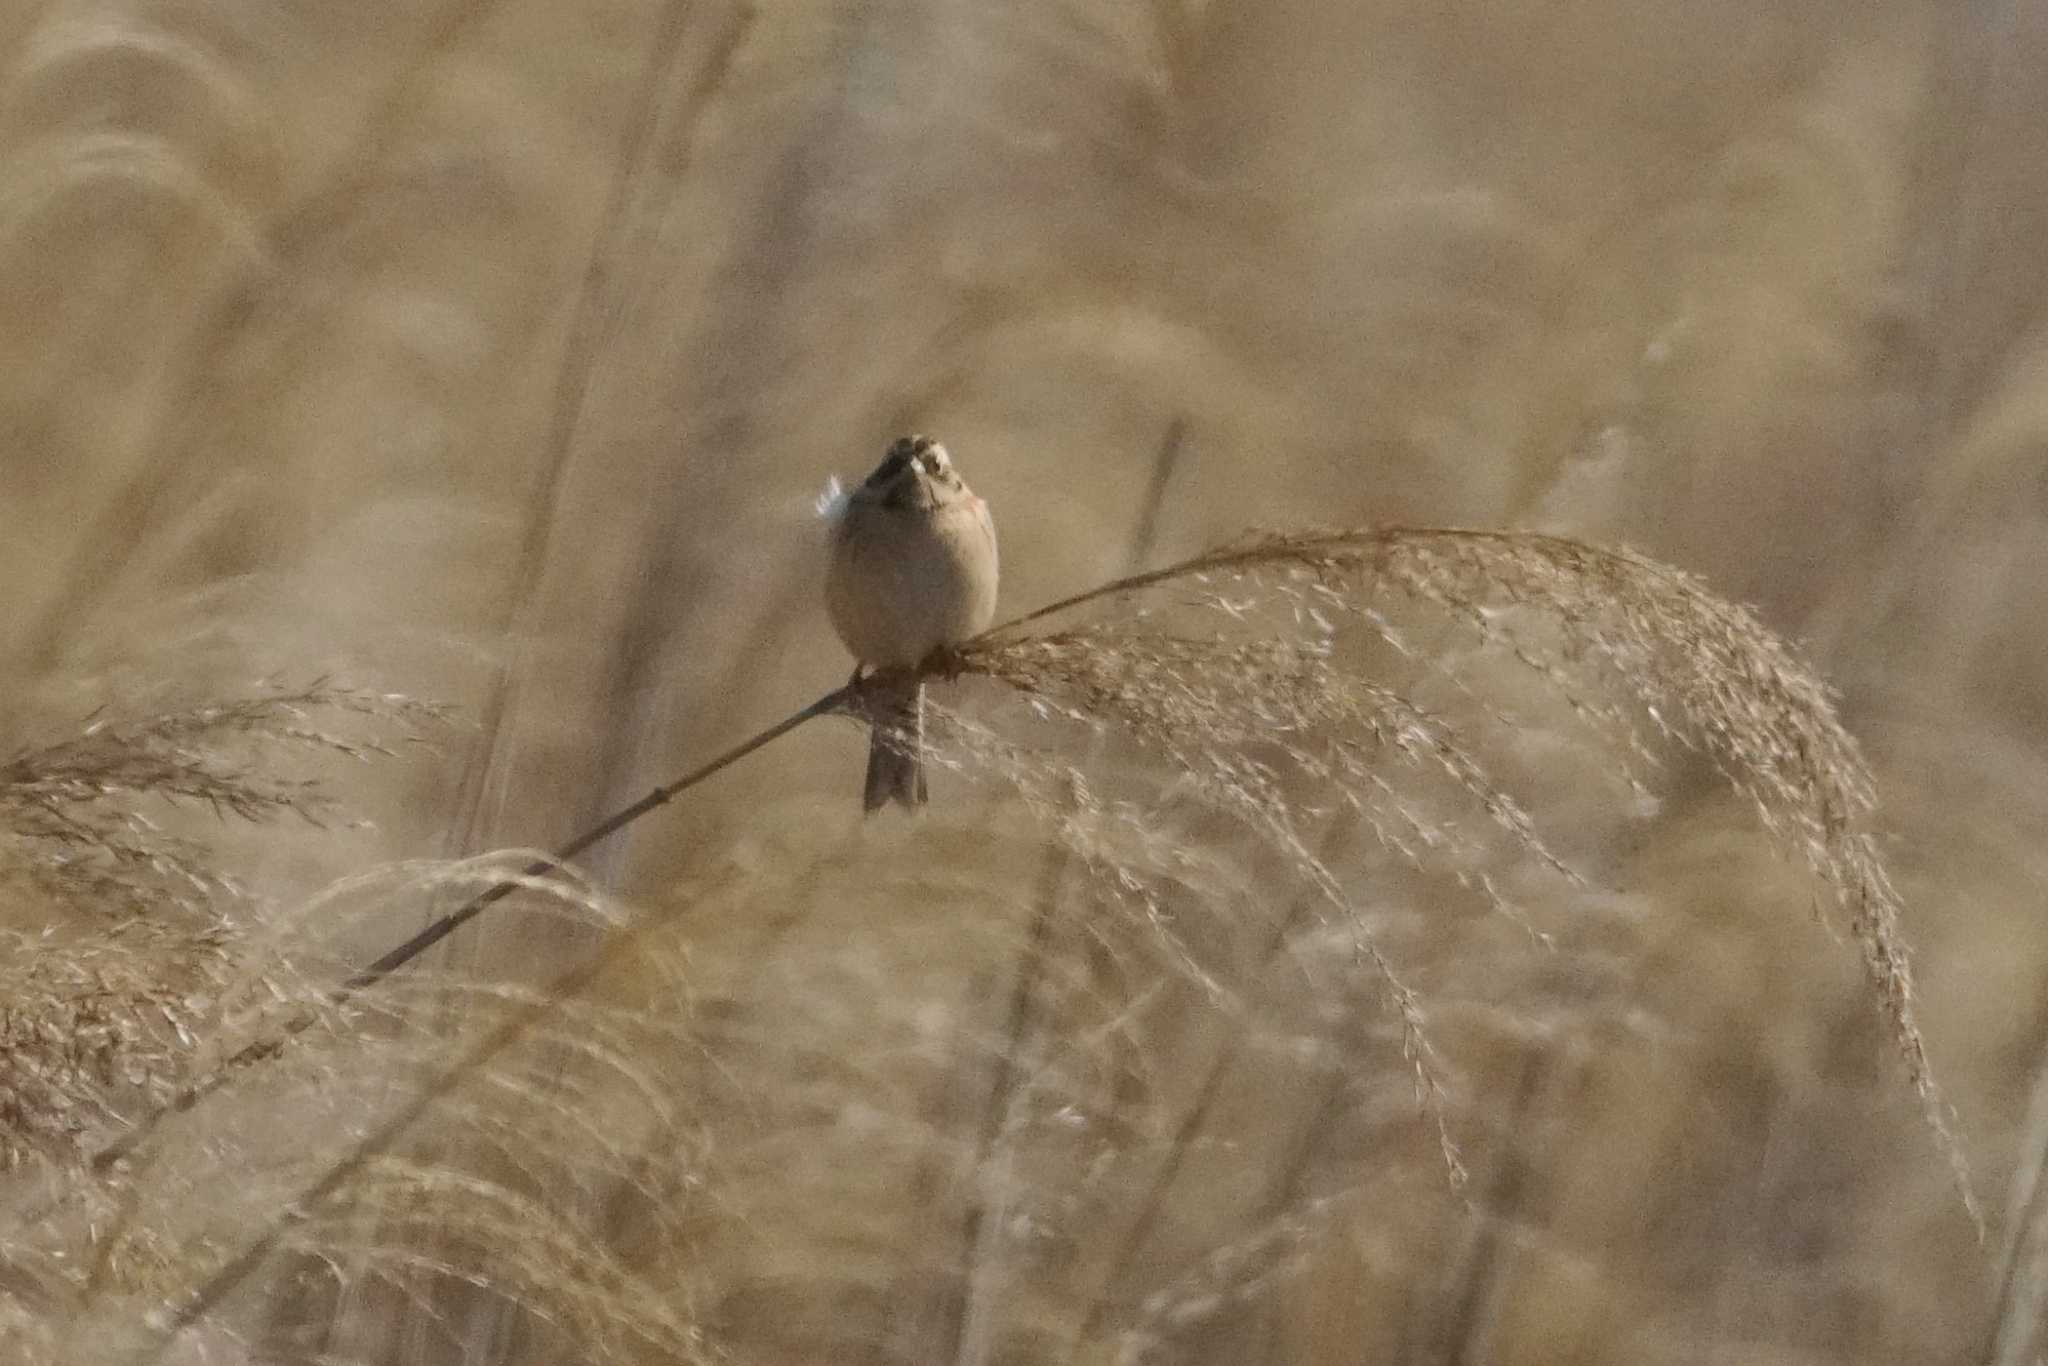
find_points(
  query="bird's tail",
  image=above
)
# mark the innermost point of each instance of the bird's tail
(896, 749)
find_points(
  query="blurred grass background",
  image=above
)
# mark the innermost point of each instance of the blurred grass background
(494, 349)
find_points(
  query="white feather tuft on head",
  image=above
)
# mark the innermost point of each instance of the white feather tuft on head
(831, 503)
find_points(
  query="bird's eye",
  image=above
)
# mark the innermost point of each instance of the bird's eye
(892, 465)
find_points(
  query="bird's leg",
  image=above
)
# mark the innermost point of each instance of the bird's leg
(860, 694)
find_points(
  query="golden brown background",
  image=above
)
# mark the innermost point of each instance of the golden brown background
(493, 351)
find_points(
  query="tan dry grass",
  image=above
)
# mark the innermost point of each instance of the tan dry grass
(1735, 284)
(1263, 719)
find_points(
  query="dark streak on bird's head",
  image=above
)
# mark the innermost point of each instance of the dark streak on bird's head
(901, 451)
(916, 473)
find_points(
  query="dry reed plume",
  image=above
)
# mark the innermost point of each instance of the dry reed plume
(572, 1163)
(1239, 710)
(144, 944)
(75, 808)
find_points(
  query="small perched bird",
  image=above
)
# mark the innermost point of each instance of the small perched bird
(913, 569)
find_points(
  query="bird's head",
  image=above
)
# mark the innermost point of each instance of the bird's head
(916, 473)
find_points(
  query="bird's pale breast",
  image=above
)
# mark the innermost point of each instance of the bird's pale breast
(907, 580)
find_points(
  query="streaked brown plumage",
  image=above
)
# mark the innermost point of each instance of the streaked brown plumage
(913, 568)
